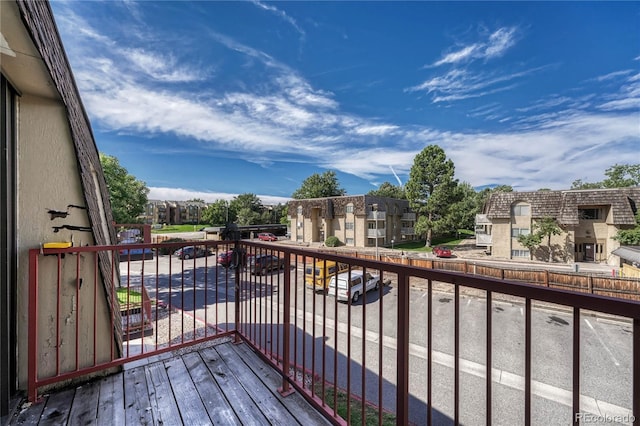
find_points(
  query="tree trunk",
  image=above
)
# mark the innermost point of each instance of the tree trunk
(549, 245)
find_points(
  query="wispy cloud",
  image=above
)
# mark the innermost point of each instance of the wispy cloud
(495, 45)
(282, 14)
(181, 194)
(279, 115)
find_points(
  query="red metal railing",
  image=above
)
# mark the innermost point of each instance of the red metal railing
(399, 350)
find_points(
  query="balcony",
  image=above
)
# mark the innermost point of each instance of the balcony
(409, 217)
(376, 233)
(381, 215)
(483, 240)
(415, 347)
(407, 231)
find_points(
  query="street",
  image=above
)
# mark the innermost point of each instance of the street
(326, 326)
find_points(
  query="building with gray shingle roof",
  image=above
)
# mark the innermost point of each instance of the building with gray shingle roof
(589, 220)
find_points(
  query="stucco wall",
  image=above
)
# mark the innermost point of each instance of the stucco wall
(48, 178)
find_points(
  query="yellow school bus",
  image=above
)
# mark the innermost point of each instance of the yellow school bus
(317, 276)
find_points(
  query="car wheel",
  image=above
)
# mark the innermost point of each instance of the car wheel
(377, 285)
(355, 297)
(186, 256)
(264, 271)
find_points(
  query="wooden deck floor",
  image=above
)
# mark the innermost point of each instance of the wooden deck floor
(220, 384)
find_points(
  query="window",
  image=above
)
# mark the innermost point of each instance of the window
(350, 242)
(348, 225)
(349, 208)
(299, 210)
(590, 214)
(371, 225)
(521, 210)
(520, 253)
(516, 232)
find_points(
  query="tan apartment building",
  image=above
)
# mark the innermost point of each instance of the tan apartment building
(173, 212)
(52, 190)
(589, 220)
(357, 221)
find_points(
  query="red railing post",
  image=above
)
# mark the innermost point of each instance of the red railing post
(402, 396)
(236, 292)
(33, 326)
(286, 332)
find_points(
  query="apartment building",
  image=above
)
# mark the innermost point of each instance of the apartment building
(173, 212)
(589, 220)
(357, 221)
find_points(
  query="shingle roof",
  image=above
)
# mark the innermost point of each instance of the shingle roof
(564, 205)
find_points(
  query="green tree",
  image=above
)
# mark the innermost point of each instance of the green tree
(431, 190)
(618, 176)
(218, 213)
(547, 227)
(387, 189)
(246, 216)
(542, 228)
(531, 241)
(462, 212)
(127, 194)
(630, 237)
(318, 186)
(247, 209)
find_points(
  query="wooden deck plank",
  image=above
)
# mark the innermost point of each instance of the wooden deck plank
(111, 400)
(84, 410)
(214, 401)
(163, 403)
(271, 406)
(242, 404)
(30, 415)
(56, 411)
(295, 403)
(190, 405)
(136, 398)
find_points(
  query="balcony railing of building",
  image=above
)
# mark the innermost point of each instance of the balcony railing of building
(381, 215)
(409, 216)
(407, 231)
(415, 347)
(373, 233)
(483, 239)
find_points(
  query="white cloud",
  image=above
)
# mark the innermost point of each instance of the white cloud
(181, 194)
(494, 46)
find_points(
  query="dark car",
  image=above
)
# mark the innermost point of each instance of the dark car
(442, 251)
(191, 252)
(267, 236)
(262, 264)
(225, 258)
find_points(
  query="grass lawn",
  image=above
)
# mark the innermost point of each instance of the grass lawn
(178, 228)
(446, 240)
(135, 298)
(356, 408)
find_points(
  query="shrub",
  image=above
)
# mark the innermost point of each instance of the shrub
(332, 242)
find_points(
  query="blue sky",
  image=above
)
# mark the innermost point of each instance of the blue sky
(214, 99)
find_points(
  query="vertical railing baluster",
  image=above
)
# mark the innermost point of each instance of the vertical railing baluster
(527, 363)
(402, 361)
(636, 371)
(456, 354)
(489, 360)
(286, 332)
(429, 351)
(576, 364)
